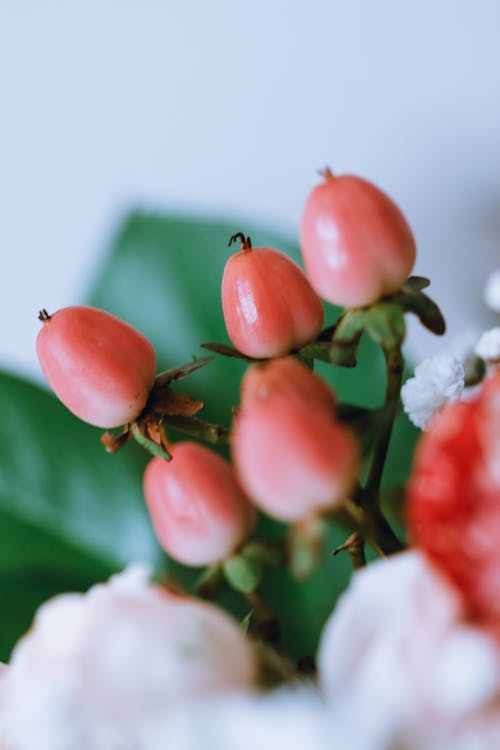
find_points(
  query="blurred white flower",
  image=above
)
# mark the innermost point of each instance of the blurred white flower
(492, 291)
(398, 664)
(488, 346)
(437, 381)
(97, 669)
(289, 719)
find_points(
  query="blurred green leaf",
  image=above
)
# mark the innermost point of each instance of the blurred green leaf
(411, 299)
(69, 513)
(416, 283)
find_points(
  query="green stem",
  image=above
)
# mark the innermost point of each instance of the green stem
(210, 583)
(378, 531)
(361, 515)
(144, 442)
(382, 537)
(394, 364)
(375, 527)
(197, 428)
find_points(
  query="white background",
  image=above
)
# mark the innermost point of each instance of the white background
(229, 107)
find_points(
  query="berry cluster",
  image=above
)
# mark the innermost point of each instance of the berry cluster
(296, 454)
(293, 458)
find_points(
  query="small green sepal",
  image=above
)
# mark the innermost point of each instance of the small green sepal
(242, 573)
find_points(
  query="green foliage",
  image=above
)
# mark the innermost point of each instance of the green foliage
(412, 299)
(70, 513)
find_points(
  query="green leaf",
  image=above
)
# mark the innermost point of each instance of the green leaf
(416, 283)
(428, 312)
(415, 301)
(35, 565)
(385, 324)
(55, 475)
(227, 351)
(69, 512)
(243, 573)
(181, 371)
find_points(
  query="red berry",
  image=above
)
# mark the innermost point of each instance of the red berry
(199, 510)
(269, 305)
(453, 505)
(101, 368)
(356, 243)
(292, 456)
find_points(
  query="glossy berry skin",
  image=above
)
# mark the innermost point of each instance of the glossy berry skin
(199, 511)
(453, 504)
(293, 457)
(286, 378)
(268, 303)
(101, 368)
(356, 243)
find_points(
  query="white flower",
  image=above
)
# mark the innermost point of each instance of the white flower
(492, 291)
(288, 719)
(437, 381)
(96, 669)
(488, 346)
(399, 666)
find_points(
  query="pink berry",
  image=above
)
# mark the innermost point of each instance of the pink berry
(453, 507)
(287, 379)
(101, 368)
(199, 510)
(356, 243)
(293, 457)
(269, 305)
